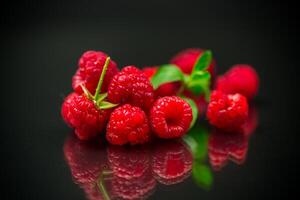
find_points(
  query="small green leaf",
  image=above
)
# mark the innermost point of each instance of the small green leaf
(202, 175)
(106, 105)
(203, 61)
(194, 110)
(165, 74)
(199, 83)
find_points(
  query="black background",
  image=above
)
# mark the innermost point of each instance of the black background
(42, 41)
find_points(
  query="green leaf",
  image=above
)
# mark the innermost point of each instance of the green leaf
(202, 175)
(106, 105)
(194, 110)
(203, 61)
(199, 83)
(165, 74)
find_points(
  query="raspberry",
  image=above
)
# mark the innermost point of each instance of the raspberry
(88, 113)
(241, 79)
(172, 162)
(81, 114)
(167, 89)
(186, 59)
(85, 159)
(128, 124)
(227, 112)
(131, 86)
(226, 146)
(170, 117)
(90, 67)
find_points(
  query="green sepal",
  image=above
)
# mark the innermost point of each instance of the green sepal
(194, 110)
(166, 74)
(101, 97)
(203, 61)
(86, 92)
(106, 105)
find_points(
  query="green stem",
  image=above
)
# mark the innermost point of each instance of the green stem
(101, 78)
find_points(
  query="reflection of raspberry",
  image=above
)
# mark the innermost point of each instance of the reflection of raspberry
(241, 79)
(167, 89)
(131, 86)
(82, 115)
(251, 122)
(128, 161)
(85, 159)
(132, 178)
(90, 67)
(170, 117)
(227, 112)
(186, 59)
(172, 162)
(128, 124)
(135, 188)
(223, 146)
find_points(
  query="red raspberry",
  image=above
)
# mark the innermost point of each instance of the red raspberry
(90, 67)
(186, 59)
(241, 79)
(226, 146)
(131, 86)
(128, 124)
(170, 117)
(227, 112)
(81, 114)
(85, 159)
(167, 89)
(172, 162)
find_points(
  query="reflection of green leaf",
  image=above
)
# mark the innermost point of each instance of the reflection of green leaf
(202, 175)
(197, 139)
(203, 61)
(165, 74)
(194, 110)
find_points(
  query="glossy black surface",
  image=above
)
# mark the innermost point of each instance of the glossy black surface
(40, 46)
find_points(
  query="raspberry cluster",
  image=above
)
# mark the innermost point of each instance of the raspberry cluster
(133, 105)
